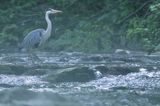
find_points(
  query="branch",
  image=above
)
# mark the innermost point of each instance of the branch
(133, 13)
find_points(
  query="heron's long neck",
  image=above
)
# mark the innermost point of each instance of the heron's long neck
(49, 26)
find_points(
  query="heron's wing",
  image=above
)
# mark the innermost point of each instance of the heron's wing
(33, 38)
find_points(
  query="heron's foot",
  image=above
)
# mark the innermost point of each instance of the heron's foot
(35, 59)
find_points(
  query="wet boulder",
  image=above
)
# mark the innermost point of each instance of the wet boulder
(80, 74)
(116, 70)
(93, 58)
(122, 51)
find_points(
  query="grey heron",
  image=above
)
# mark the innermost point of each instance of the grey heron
(38, 37)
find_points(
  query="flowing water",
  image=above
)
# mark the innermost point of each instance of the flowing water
(78, 79)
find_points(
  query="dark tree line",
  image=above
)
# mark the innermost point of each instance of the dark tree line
(85, 25)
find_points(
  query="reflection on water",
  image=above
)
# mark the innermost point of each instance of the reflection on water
(77, 79)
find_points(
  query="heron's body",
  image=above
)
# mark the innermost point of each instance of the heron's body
(33, 39)
(37, 37)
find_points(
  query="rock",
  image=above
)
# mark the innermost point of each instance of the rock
(122, 51)
(93, 58)
(116, 70)
(82, 74)
(156, 53)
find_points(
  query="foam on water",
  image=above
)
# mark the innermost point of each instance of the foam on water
(16, 80)
(139, 80)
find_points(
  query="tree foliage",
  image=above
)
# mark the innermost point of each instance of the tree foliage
(85, 25)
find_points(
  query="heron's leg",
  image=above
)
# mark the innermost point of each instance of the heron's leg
(34, 58)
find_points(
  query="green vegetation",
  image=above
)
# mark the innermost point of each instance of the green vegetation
(85, 25)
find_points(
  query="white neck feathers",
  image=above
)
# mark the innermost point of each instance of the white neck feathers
(49, 25)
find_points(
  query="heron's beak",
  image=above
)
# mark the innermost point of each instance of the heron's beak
(56, 11)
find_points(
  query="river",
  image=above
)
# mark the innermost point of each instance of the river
(79, 79)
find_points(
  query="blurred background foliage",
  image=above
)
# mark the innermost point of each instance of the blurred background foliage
(85, 25)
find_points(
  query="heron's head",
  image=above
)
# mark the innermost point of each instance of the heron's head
(53, 11)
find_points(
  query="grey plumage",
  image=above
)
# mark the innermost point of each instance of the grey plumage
(39, 36)
(32, 39)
